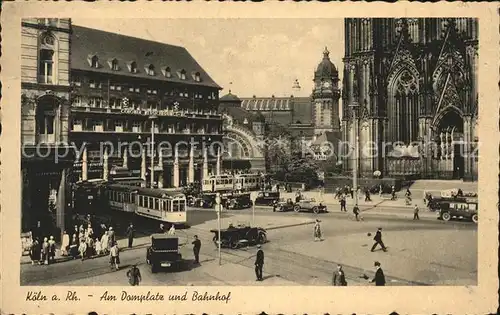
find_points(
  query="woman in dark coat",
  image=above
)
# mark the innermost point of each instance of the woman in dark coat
(35, 252)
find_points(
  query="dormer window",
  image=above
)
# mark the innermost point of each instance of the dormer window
(150, 69)
(94, 61)
(114, 64)
(197, 77)
(132, 67)
(167, 72)
(182, 74)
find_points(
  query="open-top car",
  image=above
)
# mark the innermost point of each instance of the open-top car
(239, 201)
(239, 236)
(267, 198)
(309, 204)
(284, 205)
(163, 252)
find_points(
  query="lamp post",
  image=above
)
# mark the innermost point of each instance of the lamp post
(152, 173)
(354, 106)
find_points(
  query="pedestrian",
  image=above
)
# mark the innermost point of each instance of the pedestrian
(52, 248)
(98, 247)
(393, 193)
(45, 251)
(65, 244)
(90, 247)
(275, 205)
(196, 249)
(105, 242)
(355, 210)
(161, 230)
(379, 278)
(342, 204)
(171, 231)
(415, 213)
(367, 195)
(114, 256)
(111, 237)
(317, 231)
(352, 193)
(35, 252)
(134, 276)
(73, 246)
(82, 249)
(378, 240)
(380, 190)
(259, 263)
(130, 235)
(339, 277)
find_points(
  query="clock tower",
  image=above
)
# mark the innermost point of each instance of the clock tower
(325, 96)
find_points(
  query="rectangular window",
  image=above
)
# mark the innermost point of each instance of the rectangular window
(77, 101)
(77, 81)
(175, 204)
(157, 204)
(45, 67)
(137, 90)
(93, 84)
(136, 127)
(97, 127)
(118, 126)
(112, 87)
(118, 87)
(131, 89)
(95, 102)
(77, 125)
(155, 92)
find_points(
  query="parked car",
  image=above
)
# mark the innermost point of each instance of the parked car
(239, 201)
(309, 205)
(458, 208)
(163, 252)
(285, 205)
(241, 235)
(267, 198)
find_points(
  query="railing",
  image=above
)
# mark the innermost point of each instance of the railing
(212, 114)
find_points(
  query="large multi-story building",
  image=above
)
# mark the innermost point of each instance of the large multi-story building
(128, 91)
(413, 82)
(46, 157)
(108, 100)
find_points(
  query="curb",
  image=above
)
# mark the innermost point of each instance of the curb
(288, 225)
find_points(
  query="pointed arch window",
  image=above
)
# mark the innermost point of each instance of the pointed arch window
(133, 67)
(114, 64)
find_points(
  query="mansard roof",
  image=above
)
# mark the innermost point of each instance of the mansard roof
(126, 50)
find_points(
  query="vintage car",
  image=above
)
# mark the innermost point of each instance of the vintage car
(284, 205)
(239, 236)
(163, 252)
(267, 198)
(309, 204)
(458, 208)
(238, 201)
(206, 200)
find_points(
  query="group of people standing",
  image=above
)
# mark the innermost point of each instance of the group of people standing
(43, 253)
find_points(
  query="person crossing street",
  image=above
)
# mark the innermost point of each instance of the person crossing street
(196, 249)
(379, 278)
(130, 235)
(415, 213)
(342, 204)
(134, 276)
(378, 240)
(259, 263)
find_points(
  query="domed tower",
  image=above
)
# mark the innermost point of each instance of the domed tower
(325, 96)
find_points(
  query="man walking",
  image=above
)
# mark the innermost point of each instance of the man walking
(339, 277)
(196, 249)
(342, 204)
(415, 213)
(378, 240)
(130, 235)
(379, 278)
(259, 263)
(134, 276)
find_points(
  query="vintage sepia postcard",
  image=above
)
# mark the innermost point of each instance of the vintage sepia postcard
(175, 158)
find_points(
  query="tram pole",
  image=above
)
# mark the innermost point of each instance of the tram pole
(218, 210)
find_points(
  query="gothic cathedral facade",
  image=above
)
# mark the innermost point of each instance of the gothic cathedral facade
(410, 87)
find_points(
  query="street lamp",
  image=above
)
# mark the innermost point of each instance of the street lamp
(354, 106)
(152, 118)
(218, 206)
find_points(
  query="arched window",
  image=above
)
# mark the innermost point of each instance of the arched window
(403, 108)
(183, 74)
(197, 77)
(167, 72)
(46, 60)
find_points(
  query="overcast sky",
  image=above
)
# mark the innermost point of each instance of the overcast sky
(260, 57)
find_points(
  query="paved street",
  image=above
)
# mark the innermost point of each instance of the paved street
(420, 252)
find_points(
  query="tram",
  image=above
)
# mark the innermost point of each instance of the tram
(245, 182)
(161, 205)
(156, 204)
